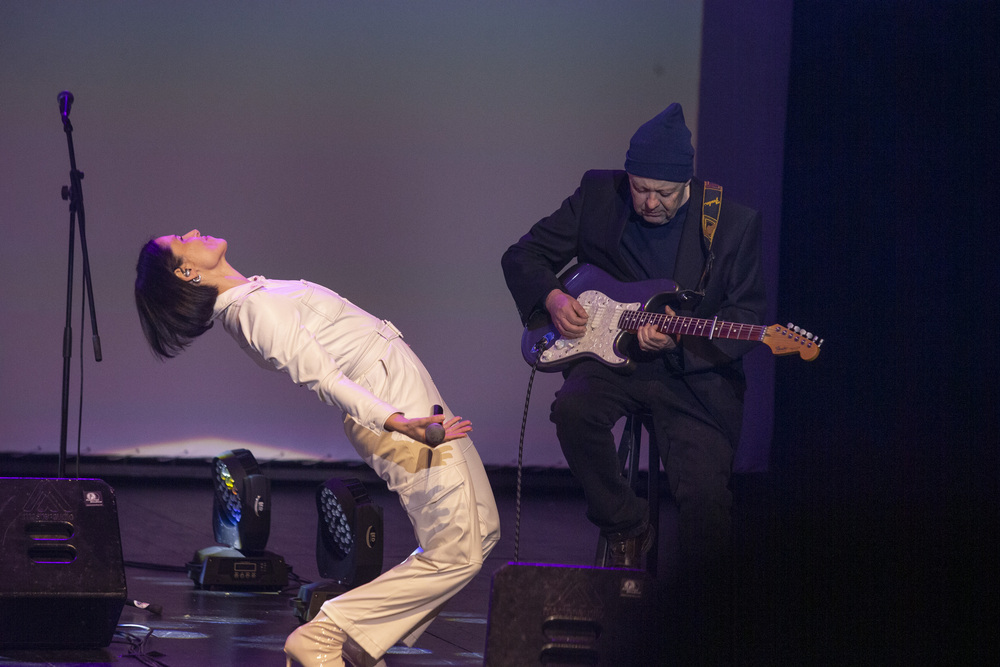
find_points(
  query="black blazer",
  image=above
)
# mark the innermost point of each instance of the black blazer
(588, 228)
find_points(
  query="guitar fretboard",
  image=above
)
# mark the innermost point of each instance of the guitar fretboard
(631, 320)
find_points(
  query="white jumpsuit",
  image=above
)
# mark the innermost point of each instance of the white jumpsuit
(360, 364)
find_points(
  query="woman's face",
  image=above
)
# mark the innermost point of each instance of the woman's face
(194, 250)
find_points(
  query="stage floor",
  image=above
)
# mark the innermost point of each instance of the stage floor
(163, 522)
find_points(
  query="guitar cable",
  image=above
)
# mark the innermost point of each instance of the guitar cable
(538, 348)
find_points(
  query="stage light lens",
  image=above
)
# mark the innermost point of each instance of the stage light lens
(225, 487)
(336, 523)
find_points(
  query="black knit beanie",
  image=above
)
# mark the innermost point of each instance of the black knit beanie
(661, 148)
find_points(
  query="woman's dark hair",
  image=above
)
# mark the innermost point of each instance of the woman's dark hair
(172, 312)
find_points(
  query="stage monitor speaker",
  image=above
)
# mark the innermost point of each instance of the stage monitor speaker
(564, 616)
(63, 583)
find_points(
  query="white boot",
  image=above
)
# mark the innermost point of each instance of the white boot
(318, 643)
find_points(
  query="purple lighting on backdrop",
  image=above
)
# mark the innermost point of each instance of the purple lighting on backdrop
(360, 147)
(744, 85)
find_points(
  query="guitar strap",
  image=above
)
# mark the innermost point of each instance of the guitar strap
(710, 207)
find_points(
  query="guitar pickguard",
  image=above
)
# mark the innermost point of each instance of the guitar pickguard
(601, 338)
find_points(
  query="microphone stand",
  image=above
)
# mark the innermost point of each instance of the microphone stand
(73, 193)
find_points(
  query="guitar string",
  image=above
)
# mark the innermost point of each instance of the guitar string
(631, 320)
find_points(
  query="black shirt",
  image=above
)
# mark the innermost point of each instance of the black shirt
(651, 250)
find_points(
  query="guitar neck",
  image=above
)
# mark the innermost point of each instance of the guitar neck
(691, 326)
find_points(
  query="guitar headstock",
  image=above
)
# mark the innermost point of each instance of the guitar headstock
(792, 340)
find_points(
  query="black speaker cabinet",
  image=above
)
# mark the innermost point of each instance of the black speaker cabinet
(559, 615)
(63, 582)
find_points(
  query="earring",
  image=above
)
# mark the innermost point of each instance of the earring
(196, 280)
(187, 272)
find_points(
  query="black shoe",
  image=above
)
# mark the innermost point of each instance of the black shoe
(629, 552)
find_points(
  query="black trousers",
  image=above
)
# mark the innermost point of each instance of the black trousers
(697, 455)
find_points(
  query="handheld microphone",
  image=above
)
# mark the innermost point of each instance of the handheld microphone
(65, 103)
(435, 432)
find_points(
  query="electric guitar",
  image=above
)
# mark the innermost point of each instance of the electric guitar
(615, 312)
